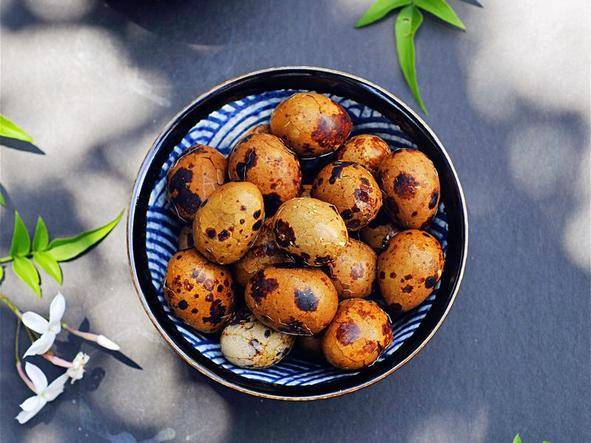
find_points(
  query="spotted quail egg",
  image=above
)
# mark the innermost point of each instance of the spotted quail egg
(248, 343)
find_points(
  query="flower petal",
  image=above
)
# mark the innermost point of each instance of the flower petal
(58, 361)
(34, 321)
(56, 387)
(31, 403)
(37, 377)
(76, 371)
(57, 308)
(41, 345)
(106, 343)
(25, 416)
(81, 359)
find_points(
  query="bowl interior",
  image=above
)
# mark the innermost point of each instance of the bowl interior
(155, 229)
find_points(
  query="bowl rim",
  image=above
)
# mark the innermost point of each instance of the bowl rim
(141, 175)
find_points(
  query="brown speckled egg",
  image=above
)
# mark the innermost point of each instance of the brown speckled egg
(228, 222)
(310, 229)
(263, 253)
(299, 301)
(199, 292)
(259, 129)
(411, 186)
(354, 271)
(353, 191)
(310, 346)
(409, 269)
(194, 176)
(358, 334)
(366, 149)
(248, 343)
(264, 160)
(378, 233)
(185, 240)
(311, 124)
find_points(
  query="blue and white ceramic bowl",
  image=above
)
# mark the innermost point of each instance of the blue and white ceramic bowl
(218, 119)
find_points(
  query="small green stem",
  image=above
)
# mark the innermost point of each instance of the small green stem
(4, 299)
(18, 331)
(6, 259)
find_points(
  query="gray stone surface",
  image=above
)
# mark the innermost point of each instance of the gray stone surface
(94, 82)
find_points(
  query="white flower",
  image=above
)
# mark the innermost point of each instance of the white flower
(76, 371)
(47, 329)
(32, 405)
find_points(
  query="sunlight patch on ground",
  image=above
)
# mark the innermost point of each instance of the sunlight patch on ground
(522, 56)
(351, 8)
(524, 50)
(450, 428)
(539, 157)
(577, 233)
(163, 372)
(81, 90)
(88, 102)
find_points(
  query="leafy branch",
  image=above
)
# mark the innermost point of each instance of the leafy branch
(25, 256)
(46, 254)
(406, 26)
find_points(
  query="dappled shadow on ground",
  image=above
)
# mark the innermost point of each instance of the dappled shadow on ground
(520, 149)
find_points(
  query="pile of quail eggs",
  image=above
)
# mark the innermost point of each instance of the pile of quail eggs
(270, 257)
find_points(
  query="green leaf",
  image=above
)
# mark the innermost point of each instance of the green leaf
(517, 438)
(49, 265)
(2, 200)
(62, 249)
(407, 23)
(12, 130)
(1, 272)
(21, 243)
(41, 237)
(441, 9)
(25, 270)
(379, 10)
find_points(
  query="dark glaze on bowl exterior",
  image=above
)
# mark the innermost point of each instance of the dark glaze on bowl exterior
(325, 81)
